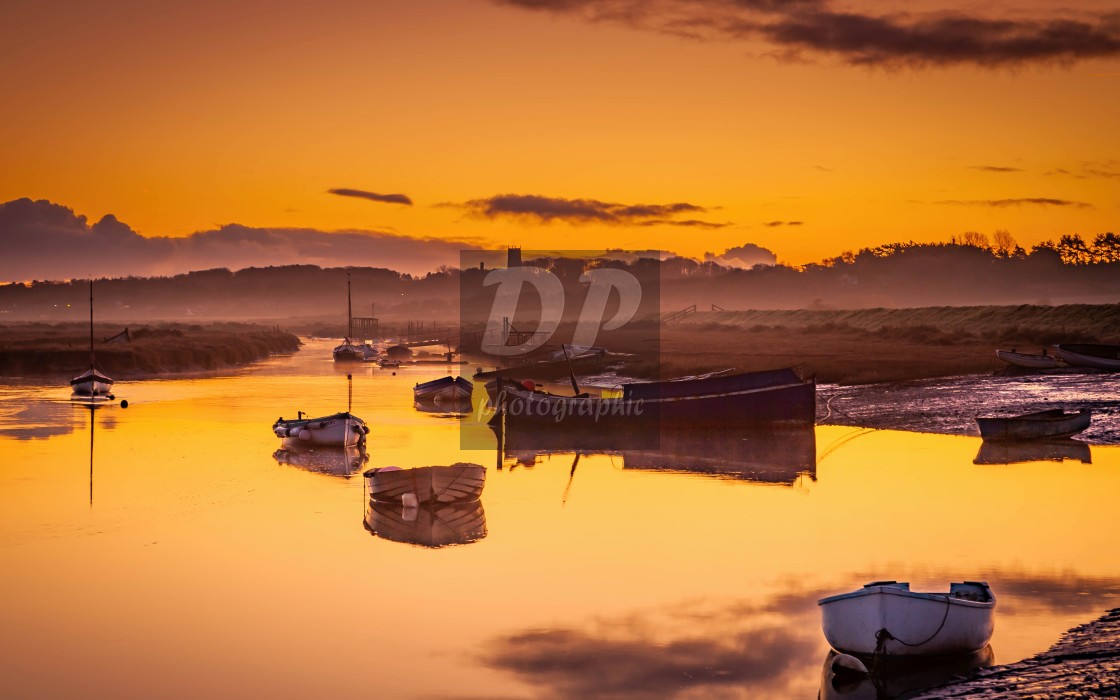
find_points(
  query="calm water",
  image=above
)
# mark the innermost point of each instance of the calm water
(197, 561)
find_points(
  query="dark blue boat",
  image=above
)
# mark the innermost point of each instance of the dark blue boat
(775, 397)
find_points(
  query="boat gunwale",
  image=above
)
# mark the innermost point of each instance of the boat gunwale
(1052, 415)
(546, 396)
(906, 593)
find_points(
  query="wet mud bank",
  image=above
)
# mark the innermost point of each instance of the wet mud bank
(1085, 663)
(950, 405)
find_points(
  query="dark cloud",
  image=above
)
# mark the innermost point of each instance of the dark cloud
(42, 240)
(995, 169)
(583, 211)
(775, 224)
(744, 256)
(372, 196)
(815, 27)
(696, 223)
(1019, 201)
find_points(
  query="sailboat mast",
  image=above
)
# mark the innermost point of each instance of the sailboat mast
(349, 310)
(91, 323)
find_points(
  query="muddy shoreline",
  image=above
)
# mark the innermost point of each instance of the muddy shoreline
(1084, 663)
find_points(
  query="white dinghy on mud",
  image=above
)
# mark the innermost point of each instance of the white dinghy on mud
(887, 618)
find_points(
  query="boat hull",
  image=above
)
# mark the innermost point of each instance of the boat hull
(444, 391)
(1106, 357)
(584, 363)
(1027, 360)
(1035, 426)
(341, 429)
(91, 383)
(791, 403)
(929, 624)
(456, 483)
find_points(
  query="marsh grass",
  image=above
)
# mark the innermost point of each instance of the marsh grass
(63, 349)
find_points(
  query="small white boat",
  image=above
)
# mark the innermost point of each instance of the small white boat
(458, 482)
(341, 430)
(92, 382)
(886, 617)
(349, 351)
(1027, 360)
(1053, 423)
(1106, 357)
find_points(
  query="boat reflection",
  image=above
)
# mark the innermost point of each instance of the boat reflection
(900, 678)
(1014, 452)
(434, 526)
(324, 459)
(449, 409)
(770, 455)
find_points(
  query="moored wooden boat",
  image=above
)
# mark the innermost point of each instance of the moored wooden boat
(580, 361)
(340, 429)
(773, 397)
(93, 382)
(886, 617)
(1027, 360)
(1054, 423)
(444, 391)
(439, 525)
(1097, 356)
(436, 484)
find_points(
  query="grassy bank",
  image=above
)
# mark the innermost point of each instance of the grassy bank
(868, 345)
(63, 349)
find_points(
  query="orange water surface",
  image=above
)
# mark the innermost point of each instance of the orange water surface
(185, 557)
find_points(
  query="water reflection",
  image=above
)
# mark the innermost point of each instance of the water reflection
(324, 459)
(900, 678)
(777, 455)
(1015, 452)
(33, 419)
(437, 525)
(689, 648)
(450, 409)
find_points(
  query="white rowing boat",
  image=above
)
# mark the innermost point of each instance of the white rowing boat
(886, 617)
(340, 430)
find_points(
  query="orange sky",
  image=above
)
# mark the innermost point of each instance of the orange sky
(177, 117)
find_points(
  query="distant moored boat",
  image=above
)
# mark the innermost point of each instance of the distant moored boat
(1105, 357)
(1027, 360)
(92, 382)
(1054, 423)
(444, 391)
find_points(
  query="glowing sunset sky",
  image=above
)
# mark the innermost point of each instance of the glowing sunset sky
(687, 125)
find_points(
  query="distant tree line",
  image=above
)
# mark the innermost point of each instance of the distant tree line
(970, 269)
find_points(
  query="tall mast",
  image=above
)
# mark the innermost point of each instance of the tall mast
(91, 323)
(349, 310)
